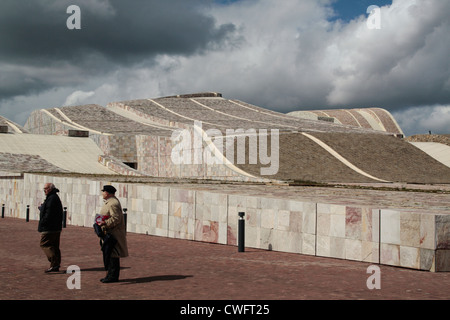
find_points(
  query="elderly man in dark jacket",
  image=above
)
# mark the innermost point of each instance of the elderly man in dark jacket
(50, 226)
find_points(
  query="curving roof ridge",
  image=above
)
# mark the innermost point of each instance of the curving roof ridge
(370, 118)
(216, 112)
(10, 126)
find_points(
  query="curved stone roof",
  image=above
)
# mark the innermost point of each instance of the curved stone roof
(10, 126)
(369, 118)
(97, 119)
(360, 146)
(217, 112)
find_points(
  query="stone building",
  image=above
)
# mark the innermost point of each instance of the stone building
(185, 165)
(228, 139)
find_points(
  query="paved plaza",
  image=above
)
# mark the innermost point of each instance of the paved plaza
(169, 269)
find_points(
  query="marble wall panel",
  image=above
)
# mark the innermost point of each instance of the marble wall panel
(154, 157)
(390, 227)
(427, 260)
(211, 217)
(409, 257)
(443, 260)
(308, 244)
(353, 223)
(181, 214)
(287, 241)
(410, 229)
(427, 231)
(309, 214)
(390, 254)
(323, 246)
(443, 232)
(347, 232)
(407, 238)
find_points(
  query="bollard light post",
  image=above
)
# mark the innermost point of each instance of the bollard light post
(3, 211)
(241, 232)
(28, 213)
(64, 224)
(125, 218)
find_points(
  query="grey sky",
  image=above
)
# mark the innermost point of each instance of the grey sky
(39, 52)
(283, 55)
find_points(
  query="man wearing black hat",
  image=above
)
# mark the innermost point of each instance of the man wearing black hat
(114, 227)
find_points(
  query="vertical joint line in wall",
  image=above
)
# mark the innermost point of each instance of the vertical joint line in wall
(168, 213)
(158, 145)
(228, 222)
(315, 242)
(195, 214)
(379, 236)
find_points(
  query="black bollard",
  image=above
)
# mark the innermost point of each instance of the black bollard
(125, 218)
(3, 211)
(64, 217)
(28, 213)
(241, 232)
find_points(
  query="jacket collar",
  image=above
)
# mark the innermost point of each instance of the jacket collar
(107, 200)
(54, 191)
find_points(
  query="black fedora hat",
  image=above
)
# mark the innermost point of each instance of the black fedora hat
(109, 189)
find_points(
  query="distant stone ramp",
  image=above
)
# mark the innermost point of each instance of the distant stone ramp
(438, 151)
(64, 154)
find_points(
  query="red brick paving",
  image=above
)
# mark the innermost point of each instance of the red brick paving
(170, 269)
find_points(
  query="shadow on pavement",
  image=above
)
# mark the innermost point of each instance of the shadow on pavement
(154, 278)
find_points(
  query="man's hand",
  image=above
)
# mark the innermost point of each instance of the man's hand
(101, 223)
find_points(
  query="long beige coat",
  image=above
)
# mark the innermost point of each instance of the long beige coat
(115, 225)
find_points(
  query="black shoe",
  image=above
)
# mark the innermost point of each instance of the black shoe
(109, 280)
(52, 269)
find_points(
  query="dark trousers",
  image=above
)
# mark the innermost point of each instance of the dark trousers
(50, 245)
(112, 265)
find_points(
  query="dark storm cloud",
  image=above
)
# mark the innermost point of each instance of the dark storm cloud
(34, 36)
(34, 30)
